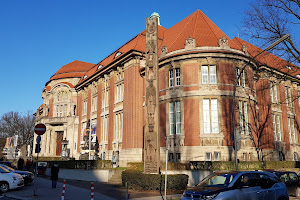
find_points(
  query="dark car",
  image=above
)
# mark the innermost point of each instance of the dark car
(246, 185)
(27, 176)
(7, 163)
(291, 181)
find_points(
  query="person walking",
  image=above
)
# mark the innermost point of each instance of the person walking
(20, 163)
(54, 174)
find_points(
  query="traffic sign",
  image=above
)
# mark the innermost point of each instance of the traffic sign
(40, 129)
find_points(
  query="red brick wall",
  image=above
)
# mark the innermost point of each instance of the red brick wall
(189, 72)
(227, 75)
(133, 109)
(285, 129)
(226, 115)
(163, 77)
(191, 122)
(110, 136)
(297, 112)
(99, 110)
(265, 114)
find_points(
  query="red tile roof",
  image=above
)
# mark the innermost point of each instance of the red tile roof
(197, 26)
(73, 69)
(267, 58)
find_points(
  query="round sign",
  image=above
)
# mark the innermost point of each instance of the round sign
(40, 129)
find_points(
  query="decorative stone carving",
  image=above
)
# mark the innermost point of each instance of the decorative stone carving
(151, 137)
(190, 43)
(164, 51)
(223, 43)
(244, 49)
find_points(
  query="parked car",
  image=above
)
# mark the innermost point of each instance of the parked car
(9, 180)
(27, 176)
(7, 163)
(246, 185)
(291, 181)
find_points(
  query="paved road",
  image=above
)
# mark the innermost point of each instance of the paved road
(80, 190)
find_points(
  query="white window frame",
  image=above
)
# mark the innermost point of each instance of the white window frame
(174, 77)
(217, 156)
(243, 113)
(210, 116)
(208, 156)
(241, 81)
(175, 118)
(209, 74)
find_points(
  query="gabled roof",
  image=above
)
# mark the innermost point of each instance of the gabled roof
(73, 69)
(268, 59)
(197, 26)
(137, 43)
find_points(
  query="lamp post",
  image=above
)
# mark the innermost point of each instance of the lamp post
(234, 93)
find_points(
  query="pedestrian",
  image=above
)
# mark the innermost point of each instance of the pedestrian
(28, 164)
(20, 163)
(54, 174)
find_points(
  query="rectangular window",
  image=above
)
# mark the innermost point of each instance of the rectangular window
(105, 128)
(175, 82)
(243, 113)
(208, 156)
(241, 81)
(105, 98)
(288, 97)
(291, 126)
(273, 92)
(171, 78)
(175, 118)
(210, 116)
(119, 94)
(209, 74)
(171, 157)
(118, 126)
(178, 157)
(217, 156)
(94, 104)
(276, 127)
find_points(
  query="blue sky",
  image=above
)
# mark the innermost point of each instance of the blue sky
(37, 37)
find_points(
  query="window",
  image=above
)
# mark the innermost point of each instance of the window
(105, 128)
(288, 97)
(175, 118)
(105, 98)
(175, 82)
(244, 129)
(118, 126)
(178, 157)
(61, 104)
(273, 92)
(119, 93)
(209, 74)
(208, 156)
(291, 126)
(171, 157)
(84, 107)
(276, 127)
(217, 156)
(210, 116)
(241, 80)
(94, 103)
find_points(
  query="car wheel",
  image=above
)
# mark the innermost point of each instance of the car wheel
(298, 192)
(4, 187)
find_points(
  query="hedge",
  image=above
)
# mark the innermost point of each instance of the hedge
(82, 164)
(137, 180)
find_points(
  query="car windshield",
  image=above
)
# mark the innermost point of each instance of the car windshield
(217, 180)
(3, 170)
(7, 167)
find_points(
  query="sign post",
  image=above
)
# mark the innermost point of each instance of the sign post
(39, 129)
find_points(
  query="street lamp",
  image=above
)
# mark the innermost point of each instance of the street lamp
(234, 92)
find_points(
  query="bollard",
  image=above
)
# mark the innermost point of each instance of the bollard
(92, 190)
(63, 191)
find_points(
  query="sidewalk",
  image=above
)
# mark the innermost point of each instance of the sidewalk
(81, 190)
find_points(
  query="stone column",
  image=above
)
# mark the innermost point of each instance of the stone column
(151, 137)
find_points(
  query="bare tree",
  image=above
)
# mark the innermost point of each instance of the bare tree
(268, 20)
(14, 123)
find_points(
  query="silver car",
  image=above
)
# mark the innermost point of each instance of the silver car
(247, 185)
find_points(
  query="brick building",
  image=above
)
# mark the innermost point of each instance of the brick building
(198, 67)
